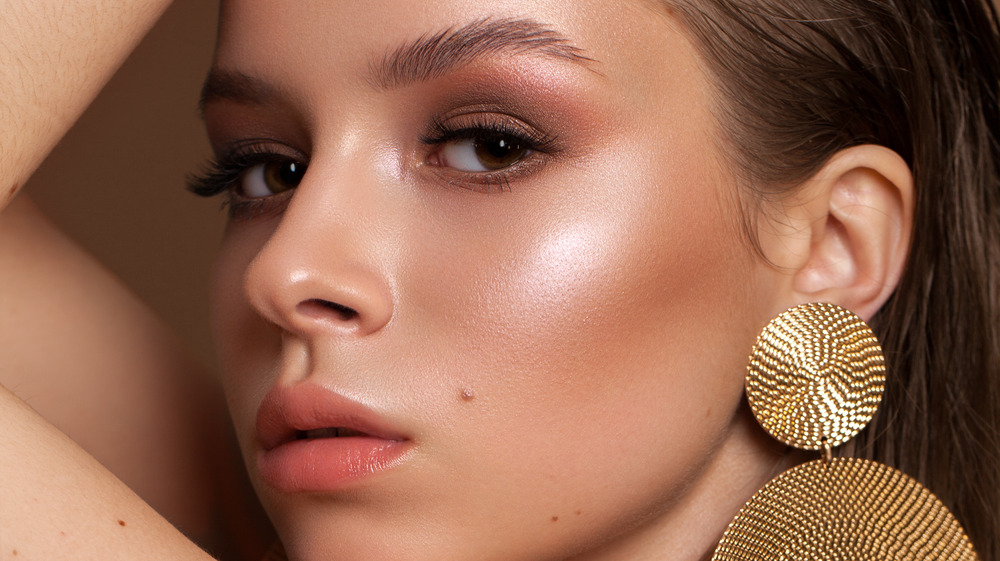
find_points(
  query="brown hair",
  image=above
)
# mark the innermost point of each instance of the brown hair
(799, 80)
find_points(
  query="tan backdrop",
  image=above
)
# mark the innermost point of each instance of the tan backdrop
(116, 182)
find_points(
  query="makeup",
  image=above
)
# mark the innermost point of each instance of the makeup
(557, 238)
(315, 440)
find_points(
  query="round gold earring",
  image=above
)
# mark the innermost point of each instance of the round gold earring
(815, 379)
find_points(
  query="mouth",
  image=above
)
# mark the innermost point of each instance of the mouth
(332, 432)
(309, 412)
(314, 440)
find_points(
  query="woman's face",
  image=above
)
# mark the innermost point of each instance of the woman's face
(511, 277)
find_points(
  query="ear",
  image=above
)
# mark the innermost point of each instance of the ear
(845, 235)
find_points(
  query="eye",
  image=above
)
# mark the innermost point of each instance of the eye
(490, 152)
(487, 148)
(270, 178)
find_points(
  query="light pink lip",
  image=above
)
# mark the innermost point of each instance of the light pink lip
(291, 463)
(287, 411)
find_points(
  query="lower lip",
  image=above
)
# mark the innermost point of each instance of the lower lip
(328, 464)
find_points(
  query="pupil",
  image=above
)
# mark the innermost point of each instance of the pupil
(284, 176)
(499, 153)
(289, 173)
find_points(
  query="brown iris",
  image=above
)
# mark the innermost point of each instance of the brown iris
(499, 152)
(283, 175)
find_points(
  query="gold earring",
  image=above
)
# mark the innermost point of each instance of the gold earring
(815, 378)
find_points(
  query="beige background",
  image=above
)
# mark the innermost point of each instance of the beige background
(116, 182)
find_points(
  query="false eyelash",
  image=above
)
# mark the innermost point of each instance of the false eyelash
(223, 172)
(479, 127)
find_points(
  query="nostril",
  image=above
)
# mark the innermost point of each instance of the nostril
(320, 308)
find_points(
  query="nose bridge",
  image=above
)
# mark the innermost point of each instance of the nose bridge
(323, 270)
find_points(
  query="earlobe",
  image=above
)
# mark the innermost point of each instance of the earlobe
(853, 222)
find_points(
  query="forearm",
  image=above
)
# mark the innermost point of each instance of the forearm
(55, 55)
(57, 502)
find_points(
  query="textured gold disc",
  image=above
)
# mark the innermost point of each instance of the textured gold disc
(816, 374)
(847, 509)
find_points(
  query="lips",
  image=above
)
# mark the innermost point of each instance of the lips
(315, 440)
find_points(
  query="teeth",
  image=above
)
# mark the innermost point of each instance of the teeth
(331, 432)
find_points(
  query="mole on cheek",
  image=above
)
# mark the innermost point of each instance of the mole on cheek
(121, 522)
(555, 519)
(467, 395)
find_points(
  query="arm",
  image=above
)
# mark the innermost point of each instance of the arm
(105, 353)
(57, 502)
(55, 55)
(91, 359)
(94, 361)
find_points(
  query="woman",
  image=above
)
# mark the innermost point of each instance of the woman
(492, 273)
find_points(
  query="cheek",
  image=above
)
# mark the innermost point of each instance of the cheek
(585, 271)
(248, 349)
(595, 329)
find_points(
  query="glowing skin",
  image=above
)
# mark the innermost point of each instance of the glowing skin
(563, 349)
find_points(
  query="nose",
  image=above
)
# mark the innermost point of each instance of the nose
(320, 272)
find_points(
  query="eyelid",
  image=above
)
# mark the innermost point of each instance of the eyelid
(224, 172)
(475, 124)
(465, 124)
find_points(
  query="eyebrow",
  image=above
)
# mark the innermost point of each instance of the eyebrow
(426, 58)
(234, 86)
(432, 56)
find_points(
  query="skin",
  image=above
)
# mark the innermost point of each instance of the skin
(618, 245)
(572, 344)
(63, 494)
(54, 58)
(566, 354)
(87, 376)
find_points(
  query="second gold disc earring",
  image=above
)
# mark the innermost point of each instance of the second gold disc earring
(815, 378)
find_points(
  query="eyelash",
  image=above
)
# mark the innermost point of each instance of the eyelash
(478, 127)
(224, 173)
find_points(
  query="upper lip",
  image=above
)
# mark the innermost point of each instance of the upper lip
(288, 411)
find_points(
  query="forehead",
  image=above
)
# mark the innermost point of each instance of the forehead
(360, 23)
(345, 39)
